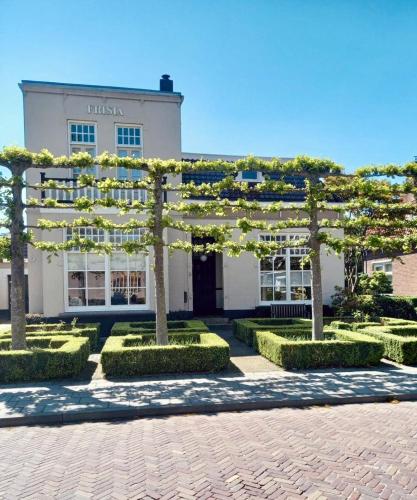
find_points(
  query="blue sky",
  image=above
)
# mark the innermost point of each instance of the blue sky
(333, 79)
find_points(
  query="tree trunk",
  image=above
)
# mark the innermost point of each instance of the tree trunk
(17, 243)
(159, 272)
(316, 284)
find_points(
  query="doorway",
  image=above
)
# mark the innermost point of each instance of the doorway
(207, 281)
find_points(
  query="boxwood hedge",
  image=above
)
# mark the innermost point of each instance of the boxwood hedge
(244, 329)
(341, 348)
(89, 330)
(187, 352)
(46, 358)
(138, 327)
(400, 341)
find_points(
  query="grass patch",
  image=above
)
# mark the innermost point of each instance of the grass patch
(341, 348)
(139, 327)
(46, 358)
(186, 352)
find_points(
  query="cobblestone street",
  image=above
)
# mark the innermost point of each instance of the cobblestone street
(353, 451)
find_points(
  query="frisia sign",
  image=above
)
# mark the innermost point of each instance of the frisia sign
(101, 109)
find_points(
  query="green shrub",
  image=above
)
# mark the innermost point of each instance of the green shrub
(244, 329)
(132, 355)
(396, 321)
(340, 348)
(400, 342)
(138, 327)
(341, 325)
(89, 330)
(48, 357)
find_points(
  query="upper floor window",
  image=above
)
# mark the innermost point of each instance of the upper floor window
(128, 143)
(82, 139)
(249, 176)
(83, 133)
(128, 136)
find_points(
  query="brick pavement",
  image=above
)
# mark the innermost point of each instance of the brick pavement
(356, 451)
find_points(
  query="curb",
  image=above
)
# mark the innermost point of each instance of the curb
(128, 413)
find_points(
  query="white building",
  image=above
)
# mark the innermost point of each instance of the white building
(67, 118)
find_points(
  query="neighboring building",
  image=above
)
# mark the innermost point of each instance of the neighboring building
(67, 118)
(400, 269)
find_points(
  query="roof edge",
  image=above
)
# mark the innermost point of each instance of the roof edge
(108, 88)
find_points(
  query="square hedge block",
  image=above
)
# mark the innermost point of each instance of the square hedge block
(341, 348)
(400, 341)
(186, 352)
(46, 358)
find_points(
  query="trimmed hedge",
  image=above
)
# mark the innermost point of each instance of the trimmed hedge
(88, 330)
(244, 329)
(195, 352)
(400, 342)
(139, 327)
(47, 358)
(396, 321)
(341, 348)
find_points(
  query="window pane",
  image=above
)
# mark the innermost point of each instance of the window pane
(297, 293)
(76, 279)
(119, 279)
(119, 296)
(267, 294)
(96, 279)
(280, 295)
(76, 262)
(76, 298)
(266, 264)
(96, 297)
(280, 281)
(137, 296)
(250, 175)
(296, 278)
(266, 279)
(137, 279)
(388, 267)
(279, 263)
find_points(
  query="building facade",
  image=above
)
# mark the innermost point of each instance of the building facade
(69, 118)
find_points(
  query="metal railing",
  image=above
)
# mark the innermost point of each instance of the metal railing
(89, 192)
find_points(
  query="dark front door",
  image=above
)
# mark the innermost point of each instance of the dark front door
(204, 282)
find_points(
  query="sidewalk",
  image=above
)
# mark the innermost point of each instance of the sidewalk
(100, 399)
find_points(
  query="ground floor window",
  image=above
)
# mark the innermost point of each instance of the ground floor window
(285, 275)
(103, 281)
(383, 266)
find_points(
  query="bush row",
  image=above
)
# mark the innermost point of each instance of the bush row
(244, 329)
(192, 352)
(340, 348)
(400, 341)
(49, 357)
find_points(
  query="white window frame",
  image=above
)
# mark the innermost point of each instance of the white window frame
(107, 278)
(128, 147)
(83, 146)
(382, 263)
(259, 177)
(287, 274)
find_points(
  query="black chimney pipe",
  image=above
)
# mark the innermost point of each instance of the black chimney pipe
(165, 84)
